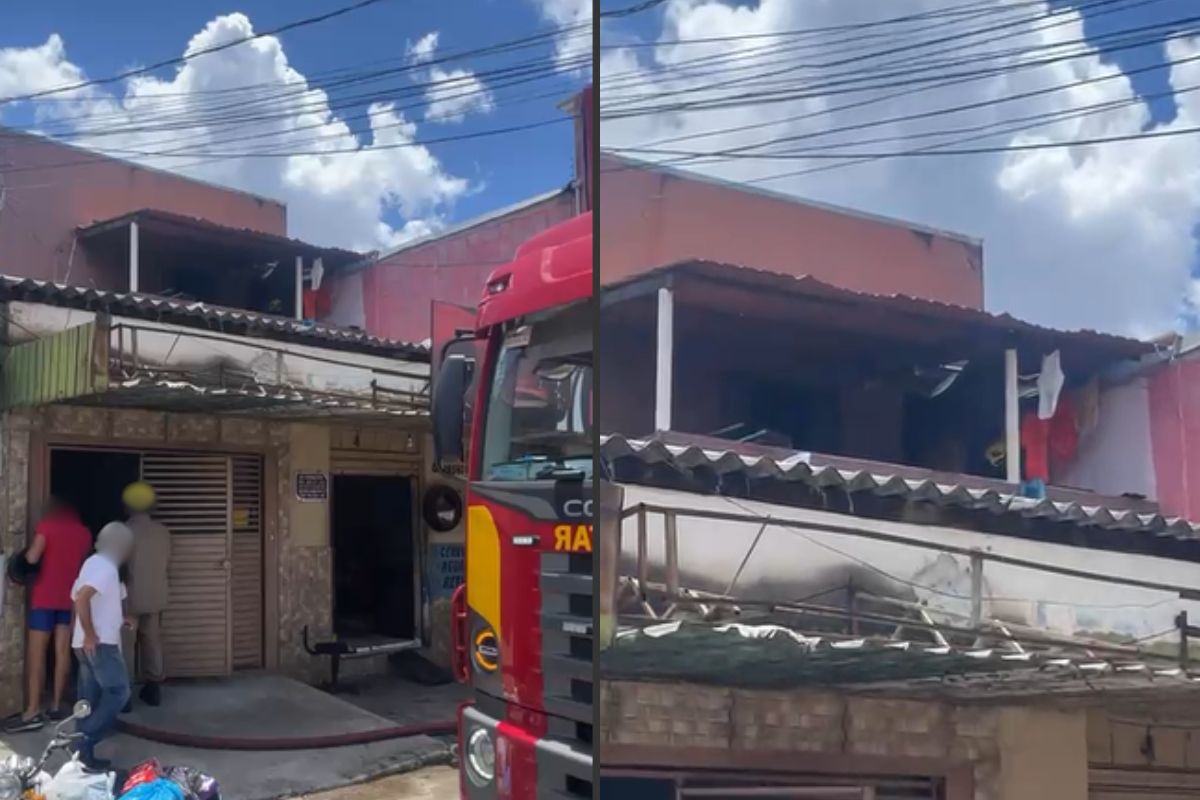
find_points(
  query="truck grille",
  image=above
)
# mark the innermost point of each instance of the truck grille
(568, 643)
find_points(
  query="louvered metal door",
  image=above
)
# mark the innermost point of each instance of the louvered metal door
(194, 502)
(247, 589)
(1134, 784)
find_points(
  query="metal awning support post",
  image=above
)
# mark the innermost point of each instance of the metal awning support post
(665, 356)
(300, 287)
(1012, 418)
(133, 257)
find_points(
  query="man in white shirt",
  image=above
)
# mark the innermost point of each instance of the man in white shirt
(103, 679)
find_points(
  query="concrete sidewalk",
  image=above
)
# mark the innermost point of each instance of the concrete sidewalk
(434, 783)
(261, 706)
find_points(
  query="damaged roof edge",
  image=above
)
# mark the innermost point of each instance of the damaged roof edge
(745, 188)
(199, 225)
(1122, 347)
(210, 317)
(799, 469)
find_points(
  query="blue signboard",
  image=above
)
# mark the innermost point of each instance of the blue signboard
(446, 568)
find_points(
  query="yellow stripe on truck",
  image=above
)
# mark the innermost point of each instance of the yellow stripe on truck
(483, 566)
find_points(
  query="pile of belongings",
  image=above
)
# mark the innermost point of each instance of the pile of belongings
(152, 781)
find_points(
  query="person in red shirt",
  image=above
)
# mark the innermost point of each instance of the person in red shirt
(61, 543)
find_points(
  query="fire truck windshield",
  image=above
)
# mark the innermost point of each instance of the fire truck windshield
(538, 421)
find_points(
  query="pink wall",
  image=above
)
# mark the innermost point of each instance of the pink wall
(652, 218)
(50, 189)
(396, 293)
(1175, 433)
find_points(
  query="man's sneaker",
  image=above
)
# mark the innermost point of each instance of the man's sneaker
(151, 694)
(20, 725)
(56, 715)
(95, 765)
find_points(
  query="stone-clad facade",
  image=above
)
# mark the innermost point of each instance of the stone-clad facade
(300, 580)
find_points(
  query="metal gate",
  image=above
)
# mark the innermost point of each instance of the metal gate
(246, 522)
(212, 504)
(1134, 784)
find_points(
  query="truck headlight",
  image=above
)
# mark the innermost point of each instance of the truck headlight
(481, 758)
(10, 785)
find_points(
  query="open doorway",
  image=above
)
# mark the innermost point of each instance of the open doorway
(92, 482)
(373, 558)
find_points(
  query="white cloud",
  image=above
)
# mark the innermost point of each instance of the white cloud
(340, 190)
(574, 43)
(1082, 236)
(451, 94)
(423, 49)
(29, 70)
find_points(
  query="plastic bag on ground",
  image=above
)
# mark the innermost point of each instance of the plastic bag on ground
(195, 784)
(73, 783)
(142, 773)
(157, 789)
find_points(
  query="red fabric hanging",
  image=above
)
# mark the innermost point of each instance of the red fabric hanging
(1049, 442)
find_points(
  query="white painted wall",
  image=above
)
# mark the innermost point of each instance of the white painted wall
(177, 347)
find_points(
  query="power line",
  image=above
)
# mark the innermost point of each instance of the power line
(895, 80)
(361, 4)
(915, 116)
(629, 11)
(1011, 129)
(741, 97)
(203, 113)
(966, 9)
(214, 157)
(969, 151)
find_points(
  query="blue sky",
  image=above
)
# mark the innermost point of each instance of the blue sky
(508, 167)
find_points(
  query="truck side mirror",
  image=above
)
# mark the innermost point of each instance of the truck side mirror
(449, 405)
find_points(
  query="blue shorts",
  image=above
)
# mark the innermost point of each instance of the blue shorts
(47, 619)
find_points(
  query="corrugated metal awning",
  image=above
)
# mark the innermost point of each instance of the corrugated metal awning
(798, 469)
(208, 317)
(770, 656)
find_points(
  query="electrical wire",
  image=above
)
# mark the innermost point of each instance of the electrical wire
(960, 39)
(301, 23)
(893, 80)
(911, 117)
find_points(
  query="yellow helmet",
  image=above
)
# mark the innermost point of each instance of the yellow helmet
(138, 496)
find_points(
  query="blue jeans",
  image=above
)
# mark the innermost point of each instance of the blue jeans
(103, 682)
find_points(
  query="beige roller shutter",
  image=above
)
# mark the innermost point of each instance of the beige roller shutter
(194, 493)
(247, 589)
(1134, 784)
(366, 462)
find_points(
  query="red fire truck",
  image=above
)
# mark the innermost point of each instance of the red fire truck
(523, 623)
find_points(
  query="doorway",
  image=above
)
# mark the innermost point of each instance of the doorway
(92, 481)
(374, 567)
(212, 503)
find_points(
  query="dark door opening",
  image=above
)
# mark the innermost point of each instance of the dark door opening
(373, 566)
(92, 482)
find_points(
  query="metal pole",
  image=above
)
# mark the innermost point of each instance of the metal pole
(300, 287)
(1012, 418)
(665, 355)
(643, 556)
(976, 590)
(133, 257)
(672, 547)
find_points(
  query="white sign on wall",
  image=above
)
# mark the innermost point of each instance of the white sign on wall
(312, 487)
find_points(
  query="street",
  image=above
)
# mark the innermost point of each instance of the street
(432, 783)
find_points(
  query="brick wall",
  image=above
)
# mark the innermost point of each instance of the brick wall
(938, 736)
